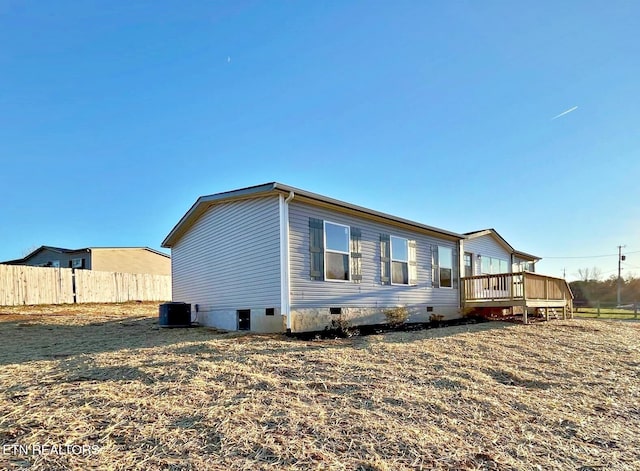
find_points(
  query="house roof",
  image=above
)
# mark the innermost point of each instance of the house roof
(130, 248)
(71, 251)
(205, 202)
(502, 241)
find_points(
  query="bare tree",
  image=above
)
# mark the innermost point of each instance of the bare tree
(586, 274)
(596, 274)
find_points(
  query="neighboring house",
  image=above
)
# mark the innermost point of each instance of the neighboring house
(486, 252)
(113, 259)
(272, 257)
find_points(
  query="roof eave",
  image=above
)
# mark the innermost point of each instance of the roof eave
(205, 202)
(366, 211)
(495, 234)
(527, 256)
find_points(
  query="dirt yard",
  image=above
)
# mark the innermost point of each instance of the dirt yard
(103, 387)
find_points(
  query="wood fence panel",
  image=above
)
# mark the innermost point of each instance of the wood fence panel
(108, 287)
(21, 285)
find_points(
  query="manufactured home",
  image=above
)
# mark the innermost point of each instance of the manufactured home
(274, 258)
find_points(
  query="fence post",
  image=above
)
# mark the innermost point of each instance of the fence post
(73, 285)
(598, 306)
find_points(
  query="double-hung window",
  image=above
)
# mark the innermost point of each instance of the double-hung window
(445, 258)
(399, 261)
(336, 243)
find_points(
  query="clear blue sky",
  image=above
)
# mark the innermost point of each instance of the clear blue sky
(116, 116)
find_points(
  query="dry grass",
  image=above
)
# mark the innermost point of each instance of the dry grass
(558, 395)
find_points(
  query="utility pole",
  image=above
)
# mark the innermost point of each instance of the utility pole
(621, 258)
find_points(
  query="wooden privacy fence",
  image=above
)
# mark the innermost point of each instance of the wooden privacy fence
(21, 284)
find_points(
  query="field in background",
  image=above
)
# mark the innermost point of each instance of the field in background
(557, 395)
(608, 312)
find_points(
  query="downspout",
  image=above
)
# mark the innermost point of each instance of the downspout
(285, 281)
(461, 289)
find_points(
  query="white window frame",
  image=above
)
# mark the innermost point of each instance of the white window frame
(471, 264)
(76, 262)
(523, 265)
(391, 260)
(440, 267)
(492, 265)
(327, 250)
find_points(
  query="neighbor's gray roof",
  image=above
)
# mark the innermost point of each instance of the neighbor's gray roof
(491, 231)
(69, 251)
(204, 202)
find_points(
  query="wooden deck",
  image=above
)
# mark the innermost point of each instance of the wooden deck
(527, 290)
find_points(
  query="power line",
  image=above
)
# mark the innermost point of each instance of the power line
(593, 256)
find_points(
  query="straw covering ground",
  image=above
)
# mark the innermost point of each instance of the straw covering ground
(557, 395)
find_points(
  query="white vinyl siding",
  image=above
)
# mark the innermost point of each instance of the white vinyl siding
(486, 246)
(370, 291)
(230, 258)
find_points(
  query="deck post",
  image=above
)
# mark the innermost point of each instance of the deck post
(546, 313)
(564, 312)
(598, 307)
(635, 309)
(524, 315)
(546, 290)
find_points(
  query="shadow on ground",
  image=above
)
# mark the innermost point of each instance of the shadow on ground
(36, 339)
(24, 341)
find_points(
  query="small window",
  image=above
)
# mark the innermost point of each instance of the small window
(335, 310)
(77, 263)
(468, 264)
(399, 261)
(270, 311)
(55, 263)
(445, 260)
(336, 243)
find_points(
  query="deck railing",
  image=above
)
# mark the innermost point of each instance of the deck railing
(519, 286)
